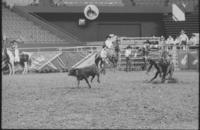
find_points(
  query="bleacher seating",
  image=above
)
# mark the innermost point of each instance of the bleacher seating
(20, 2)
(164, 2)
(150, 2)
(15, 25)
(184, 2)
(173, 28)
(86, 2)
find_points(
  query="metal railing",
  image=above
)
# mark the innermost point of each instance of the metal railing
(69, 49)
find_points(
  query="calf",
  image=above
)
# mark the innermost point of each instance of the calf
(85, 73)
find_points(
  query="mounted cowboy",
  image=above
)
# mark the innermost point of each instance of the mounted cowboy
(109, 52)
(12, 57)
(112, 48)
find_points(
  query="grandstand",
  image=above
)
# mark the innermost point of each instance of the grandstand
(191, 25)
(86, 2)
(53, 25)
(15, 25)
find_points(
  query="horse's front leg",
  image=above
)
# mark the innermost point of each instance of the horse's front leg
(25, 68)
(163, 77)
(10, 69)
(13, 68)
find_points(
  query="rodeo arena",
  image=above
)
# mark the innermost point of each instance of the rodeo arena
(100, 64)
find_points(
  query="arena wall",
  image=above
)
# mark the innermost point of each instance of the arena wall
(120, 24)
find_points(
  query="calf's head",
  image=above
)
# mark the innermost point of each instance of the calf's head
(73, 72)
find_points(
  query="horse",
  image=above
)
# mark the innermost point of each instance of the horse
(162, 68)
(100, 63)
(9, 60)
(112, 56)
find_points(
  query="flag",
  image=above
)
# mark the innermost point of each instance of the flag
(178, 14)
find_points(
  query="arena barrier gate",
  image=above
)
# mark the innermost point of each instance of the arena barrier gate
(188, 60)
(54, 61)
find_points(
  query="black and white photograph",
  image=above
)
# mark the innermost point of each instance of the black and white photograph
(100, 64)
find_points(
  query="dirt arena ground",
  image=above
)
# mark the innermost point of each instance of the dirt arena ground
(121, 100)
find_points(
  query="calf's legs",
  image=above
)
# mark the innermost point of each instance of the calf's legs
(78, 82)
(87, 82)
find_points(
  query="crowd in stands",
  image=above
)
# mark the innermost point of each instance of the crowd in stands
(85, 2)
(12, 3)
(182, 40)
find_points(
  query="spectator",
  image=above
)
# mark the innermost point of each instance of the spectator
(177, 40)
(5, 41)
(35, 2)
(128, 52)
(170, 42)
(193, 40)
(59, 2)
(162, 42)
(183, 39)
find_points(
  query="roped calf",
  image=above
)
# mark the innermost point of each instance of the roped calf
(85, 73)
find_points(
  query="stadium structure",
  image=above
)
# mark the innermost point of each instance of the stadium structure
(60, 34)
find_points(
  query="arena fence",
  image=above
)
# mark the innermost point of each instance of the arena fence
(54, 59)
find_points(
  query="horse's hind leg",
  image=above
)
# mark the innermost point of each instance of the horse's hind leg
(155, 76)
(163, 78)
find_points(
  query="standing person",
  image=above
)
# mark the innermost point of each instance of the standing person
(117, 48)
(194, 40)
(183, 39)
(128, 52)
(162, 42)
(170, 42)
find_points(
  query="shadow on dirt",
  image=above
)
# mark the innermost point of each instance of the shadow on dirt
(170, 81)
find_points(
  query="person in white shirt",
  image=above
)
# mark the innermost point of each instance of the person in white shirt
(16, 53)
(128, 52)
(170, 42)
(162, 42)
(177, 41)
(183, 39)
(108, 42)
(194, 40)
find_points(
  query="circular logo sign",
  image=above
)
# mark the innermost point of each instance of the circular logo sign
(91, 12)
